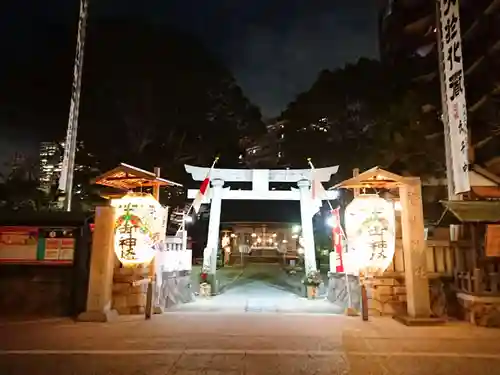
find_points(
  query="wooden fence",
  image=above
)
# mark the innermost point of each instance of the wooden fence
(478, 282)
(454, 260)
(440, 260)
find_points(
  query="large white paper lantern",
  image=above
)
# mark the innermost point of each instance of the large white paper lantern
(370, 223)
(139, 230)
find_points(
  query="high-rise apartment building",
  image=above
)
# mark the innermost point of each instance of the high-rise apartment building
(267, 150)
(50, 164)
(51, 159)
(408, 43)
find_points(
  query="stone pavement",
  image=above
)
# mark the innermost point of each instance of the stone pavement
(258, 296)
(259, 288)
(250, 343)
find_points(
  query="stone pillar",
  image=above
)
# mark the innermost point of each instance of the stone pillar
(99, 296)
(306, 215)
(414, 249)
(214, 225)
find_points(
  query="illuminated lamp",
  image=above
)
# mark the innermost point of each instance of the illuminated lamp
(138, 229)
(225, 241)
(370, 223)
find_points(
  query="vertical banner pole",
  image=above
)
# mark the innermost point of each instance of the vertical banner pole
(70, 145)
(149, 310)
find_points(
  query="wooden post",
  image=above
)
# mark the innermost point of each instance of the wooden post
(156, 186)
(99, 296)
(474, 231)
(364, 298)
(414, 249)
(364, 294)
(149, 310)
(477, 280)
(355, 173)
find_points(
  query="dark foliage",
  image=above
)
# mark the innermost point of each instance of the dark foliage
(362, 116)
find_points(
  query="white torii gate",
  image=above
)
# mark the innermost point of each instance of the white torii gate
(260, 179)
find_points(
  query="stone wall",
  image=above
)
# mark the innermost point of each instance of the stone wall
(480, 311)
(386, 296)
(129, 290)
(337, 292)
(34, 291)
(177, 288)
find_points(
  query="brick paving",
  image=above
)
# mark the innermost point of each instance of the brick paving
(245, 331)
(260, 288)
(251, 343)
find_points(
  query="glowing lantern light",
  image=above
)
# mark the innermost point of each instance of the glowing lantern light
(225, 241)
(370, 229)
(140, 226)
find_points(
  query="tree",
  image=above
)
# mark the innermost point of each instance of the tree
(362, 116)
(19, 187)
(151, 96)
(155, 97)
(86, 195)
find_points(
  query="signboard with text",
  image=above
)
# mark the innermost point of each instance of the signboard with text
(454, 93)
(18, 244)
(23, 244)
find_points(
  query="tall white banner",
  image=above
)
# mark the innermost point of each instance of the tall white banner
(454, 91)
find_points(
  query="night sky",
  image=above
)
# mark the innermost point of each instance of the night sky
(275, 48)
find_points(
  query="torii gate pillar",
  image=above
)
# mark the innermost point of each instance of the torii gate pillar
(306, 216)
(210, 253)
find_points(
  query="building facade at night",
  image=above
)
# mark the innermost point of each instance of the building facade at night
(51, 159)
(408, 44)
(50, 164)
(258, 240)
(267, 150)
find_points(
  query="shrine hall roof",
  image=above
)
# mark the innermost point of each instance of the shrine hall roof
(472, 211)
(128, 177)
(375, 177)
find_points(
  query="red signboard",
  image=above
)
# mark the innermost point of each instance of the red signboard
(34, 245)
(18, 244)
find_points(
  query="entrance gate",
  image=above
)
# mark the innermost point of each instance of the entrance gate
(260, 179)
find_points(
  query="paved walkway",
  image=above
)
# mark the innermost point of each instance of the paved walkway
(258, 296)
(260, 288)
(247, 336)
(251, 343)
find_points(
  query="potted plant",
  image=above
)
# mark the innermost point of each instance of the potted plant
(205, 287)
(312, 281)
